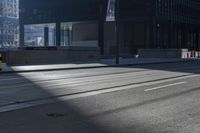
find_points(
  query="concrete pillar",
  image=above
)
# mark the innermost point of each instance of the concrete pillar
(58, 34)
(183, 36)
(151, 33)
(176, 30)
(197, 39)
(154, 34)
(21, 35)
(101, 37)
(171, 44)
(158, 35)
(46, 36)
(101, 30)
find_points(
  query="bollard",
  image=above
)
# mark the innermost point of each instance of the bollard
(191, 54)
(1, 62)
(188, 55)
(198, 54)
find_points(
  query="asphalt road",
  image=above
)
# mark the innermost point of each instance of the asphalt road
(162, 98)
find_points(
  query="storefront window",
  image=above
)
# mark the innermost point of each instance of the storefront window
(79, 34)
(35, 35)
(66, 34)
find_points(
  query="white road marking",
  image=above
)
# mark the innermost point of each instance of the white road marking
(117, 89)
(66, 83)
(92, 93)
(10, 79)
(164, 86)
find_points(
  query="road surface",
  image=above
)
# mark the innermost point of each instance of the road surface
(160, 98)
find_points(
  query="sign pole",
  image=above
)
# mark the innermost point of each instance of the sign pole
(117, 31)
(112, 16)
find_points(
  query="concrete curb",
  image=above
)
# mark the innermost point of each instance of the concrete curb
(93, 67)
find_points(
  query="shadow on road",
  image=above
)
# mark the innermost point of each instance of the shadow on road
(59, 116)
(66, 116)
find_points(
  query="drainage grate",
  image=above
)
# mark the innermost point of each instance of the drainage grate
(55, 115)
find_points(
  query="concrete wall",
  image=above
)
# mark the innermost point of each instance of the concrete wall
(132, 36)
(92, 43)
(61, 55)
(161, 53)
(85, 31)
(109, 38)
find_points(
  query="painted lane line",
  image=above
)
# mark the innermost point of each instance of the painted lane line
(160, 81)
(8, 79)
(64, 97)
(41, 85)
(164, 86)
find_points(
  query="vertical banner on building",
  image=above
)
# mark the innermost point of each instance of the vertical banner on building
(110, 11)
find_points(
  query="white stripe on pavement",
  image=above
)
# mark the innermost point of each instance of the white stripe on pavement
(10, 79)
(91, 93)
(164, 86)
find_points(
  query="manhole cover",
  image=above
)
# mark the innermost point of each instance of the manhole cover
(55, 115)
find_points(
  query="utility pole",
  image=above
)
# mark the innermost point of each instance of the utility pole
(117, 30)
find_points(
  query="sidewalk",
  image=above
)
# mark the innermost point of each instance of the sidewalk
(87, 65)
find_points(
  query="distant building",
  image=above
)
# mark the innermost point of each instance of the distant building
(9, 26)
(143, 24)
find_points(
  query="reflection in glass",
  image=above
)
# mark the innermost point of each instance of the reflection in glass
(34, 35)
(66, 34)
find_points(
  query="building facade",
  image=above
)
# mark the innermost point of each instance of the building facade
(142, 24)
(9, 26)
(160, 24)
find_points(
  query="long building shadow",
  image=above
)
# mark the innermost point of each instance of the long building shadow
(57, 116)
(64, 116)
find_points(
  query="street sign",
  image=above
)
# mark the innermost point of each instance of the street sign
(110, 17)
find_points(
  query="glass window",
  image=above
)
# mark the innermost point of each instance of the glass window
(34, 35)
(66, 34)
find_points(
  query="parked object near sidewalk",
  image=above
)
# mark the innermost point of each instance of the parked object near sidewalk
(193, 54)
